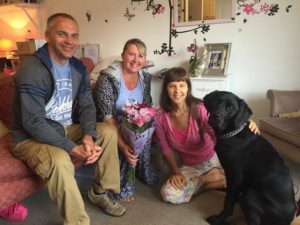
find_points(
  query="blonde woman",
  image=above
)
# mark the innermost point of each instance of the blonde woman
(122, 82)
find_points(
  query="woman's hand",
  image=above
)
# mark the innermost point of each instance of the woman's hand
(253, 127)
(130, 157)
(177, 181)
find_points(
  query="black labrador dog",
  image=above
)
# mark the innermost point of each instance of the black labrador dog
(255, 173)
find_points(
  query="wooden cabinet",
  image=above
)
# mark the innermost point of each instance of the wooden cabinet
(196, 10)
(209, 9)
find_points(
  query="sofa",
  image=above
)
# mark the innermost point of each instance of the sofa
(17, 181)
(282, 127)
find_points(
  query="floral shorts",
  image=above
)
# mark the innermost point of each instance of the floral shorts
(192, 182)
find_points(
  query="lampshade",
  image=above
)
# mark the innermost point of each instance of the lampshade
(6, 45)
(17, 17)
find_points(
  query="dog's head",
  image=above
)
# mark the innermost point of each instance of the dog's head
(227, 111)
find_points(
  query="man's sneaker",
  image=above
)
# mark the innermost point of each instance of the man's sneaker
(106, 203)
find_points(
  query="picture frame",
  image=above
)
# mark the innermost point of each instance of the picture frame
(89, 50)
(216, 58)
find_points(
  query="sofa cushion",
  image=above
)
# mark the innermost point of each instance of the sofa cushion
(11, 168)
(284, 128)
(6, 97)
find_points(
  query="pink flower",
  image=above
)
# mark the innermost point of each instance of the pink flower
(265, 7)
(192, 48)
(161, 9)
(248, 8)
(140, 122)
(139, 116)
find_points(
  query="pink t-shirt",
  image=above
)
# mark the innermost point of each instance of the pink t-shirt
(193, 150)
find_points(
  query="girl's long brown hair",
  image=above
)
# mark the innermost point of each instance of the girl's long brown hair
(179, 74)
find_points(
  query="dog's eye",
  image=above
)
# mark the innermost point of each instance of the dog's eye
(230, 107)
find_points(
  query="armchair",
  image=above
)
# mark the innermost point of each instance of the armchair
(282, 127)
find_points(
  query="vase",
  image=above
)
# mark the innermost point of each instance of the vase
(196, 69)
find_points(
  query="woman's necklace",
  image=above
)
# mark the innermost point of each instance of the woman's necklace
(180, 118)
(181, 113)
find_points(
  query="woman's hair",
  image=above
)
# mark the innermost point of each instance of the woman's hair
(176, 74)
(138, 43)
(51, 19)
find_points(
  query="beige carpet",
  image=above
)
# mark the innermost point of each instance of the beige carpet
(147, 209)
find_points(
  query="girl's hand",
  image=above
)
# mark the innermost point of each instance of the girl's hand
(177, 181)
(253, 127)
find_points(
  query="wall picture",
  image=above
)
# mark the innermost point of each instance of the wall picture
(216, 57)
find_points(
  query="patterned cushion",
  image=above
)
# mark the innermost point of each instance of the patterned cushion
(10, 167)
(6, 97)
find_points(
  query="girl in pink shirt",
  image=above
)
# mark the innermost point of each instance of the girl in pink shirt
(182, 128)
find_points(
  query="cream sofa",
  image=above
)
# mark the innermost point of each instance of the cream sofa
(282, 127)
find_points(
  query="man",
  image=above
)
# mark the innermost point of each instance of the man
(52, 91)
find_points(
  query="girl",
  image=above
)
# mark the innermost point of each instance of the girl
(182, 128)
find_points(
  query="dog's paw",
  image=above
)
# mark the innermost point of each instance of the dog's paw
(212, 220)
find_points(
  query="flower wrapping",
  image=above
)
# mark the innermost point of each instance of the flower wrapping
(137, 129)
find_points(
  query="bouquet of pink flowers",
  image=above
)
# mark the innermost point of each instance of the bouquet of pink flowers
(137, 129)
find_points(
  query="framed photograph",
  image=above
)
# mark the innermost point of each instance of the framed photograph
(89, 50)
(216, 58)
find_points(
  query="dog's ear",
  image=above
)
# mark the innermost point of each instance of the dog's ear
(243, 114)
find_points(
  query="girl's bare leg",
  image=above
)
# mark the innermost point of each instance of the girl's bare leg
(213, 179)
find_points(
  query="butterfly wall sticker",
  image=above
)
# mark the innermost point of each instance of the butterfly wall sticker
(155, 8)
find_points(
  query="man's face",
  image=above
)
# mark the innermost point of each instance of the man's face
(63, 39)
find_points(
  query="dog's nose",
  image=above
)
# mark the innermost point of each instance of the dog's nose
(216, 116)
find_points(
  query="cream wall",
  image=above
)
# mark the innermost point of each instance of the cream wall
(265, 50)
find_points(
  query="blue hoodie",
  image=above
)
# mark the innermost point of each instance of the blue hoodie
(34, 86)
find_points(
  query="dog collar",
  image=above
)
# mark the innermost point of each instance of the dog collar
(232, 133)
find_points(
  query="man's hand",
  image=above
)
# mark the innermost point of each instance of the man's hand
(94, 151)
(79, 152)
(88, 152)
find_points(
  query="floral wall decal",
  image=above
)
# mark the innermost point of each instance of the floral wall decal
(132, 1)
(248, 7)
(88, 15)
(165, 48)
(254, 7)
(128, 15)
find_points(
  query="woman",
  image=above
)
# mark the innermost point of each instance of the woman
(125, 82)
(182, 128)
